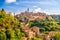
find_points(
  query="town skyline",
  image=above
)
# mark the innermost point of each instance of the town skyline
(17, 6)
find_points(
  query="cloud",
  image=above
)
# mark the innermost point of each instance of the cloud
(52, 11)
(10, 1)
(35, 6)
(48, 11)
(49, 2)
(37, 10)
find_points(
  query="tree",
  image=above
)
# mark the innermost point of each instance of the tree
(36, 38)
(57, 36)
(8, 24)
(2, 35)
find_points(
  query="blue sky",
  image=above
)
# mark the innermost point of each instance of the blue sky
(17, 6)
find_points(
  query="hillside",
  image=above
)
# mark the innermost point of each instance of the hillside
(28, 26)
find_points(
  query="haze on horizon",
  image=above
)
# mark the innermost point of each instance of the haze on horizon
(17, 6)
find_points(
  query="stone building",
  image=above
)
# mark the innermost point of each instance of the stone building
(36, 30)
(31, 32)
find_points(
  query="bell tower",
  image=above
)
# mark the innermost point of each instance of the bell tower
(27, 10)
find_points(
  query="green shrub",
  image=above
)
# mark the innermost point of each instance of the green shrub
(10, 34)
(2, 36)
(36, 38)
(57, 36)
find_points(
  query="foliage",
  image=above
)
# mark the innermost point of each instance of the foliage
(10, 26)
(2, 35)
(45, 25)
(57, 36)
(8, 23)
(36, 38)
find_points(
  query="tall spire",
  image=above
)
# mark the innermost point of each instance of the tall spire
(14, 14)
(27, 9)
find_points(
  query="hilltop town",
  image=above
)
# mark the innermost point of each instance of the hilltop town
(29, 26)
(31, 32)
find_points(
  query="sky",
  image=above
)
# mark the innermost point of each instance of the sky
(17, 6)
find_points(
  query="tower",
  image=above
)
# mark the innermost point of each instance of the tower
(14, 14)
(27, 9)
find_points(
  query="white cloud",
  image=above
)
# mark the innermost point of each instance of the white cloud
(10, 1)
(43, 2)
(35, 6)
(49, 2)
(37, 10)
(51, 11)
